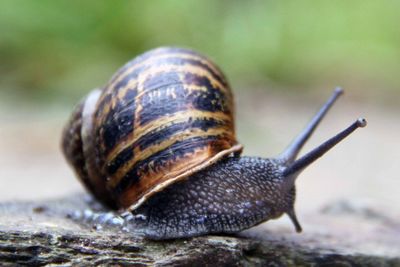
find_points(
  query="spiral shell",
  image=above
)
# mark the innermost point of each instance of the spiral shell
(163, 116)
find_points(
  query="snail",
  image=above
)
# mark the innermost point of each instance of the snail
(158, 141)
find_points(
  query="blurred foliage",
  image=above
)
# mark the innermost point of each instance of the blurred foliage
(58, 50)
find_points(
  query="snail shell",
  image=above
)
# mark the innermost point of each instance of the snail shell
(163, 116)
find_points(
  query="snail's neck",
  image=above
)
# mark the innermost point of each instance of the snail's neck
(269, 172)
(265, 174)
(266, 168)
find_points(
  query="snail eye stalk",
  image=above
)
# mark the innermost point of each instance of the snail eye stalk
(291, 152)
(293, 170)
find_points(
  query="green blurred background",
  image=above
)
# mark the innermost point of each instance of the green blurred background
(55, 51)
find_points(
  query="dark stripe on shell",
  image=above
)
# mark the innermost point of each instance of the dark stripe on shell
(163, 105)
(155, 53)
(174, 61)
(143, 57)
(158, 136)
(160, 80)
(119, 122)
(163, 157)
(103, 101)
(179, 98)
(214, 99)
(123, 157)
(217, 76)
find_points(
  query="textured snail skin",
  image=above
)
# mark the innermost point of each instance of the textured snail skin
(229, 196)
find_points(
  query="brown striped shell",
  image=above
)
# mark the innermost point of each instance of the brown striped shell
(163, 116)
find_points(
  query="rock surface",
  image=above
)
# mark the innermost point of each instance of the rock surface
(344, 234)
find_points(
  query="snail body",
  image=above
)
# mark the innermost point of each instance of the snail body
(159, 141)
